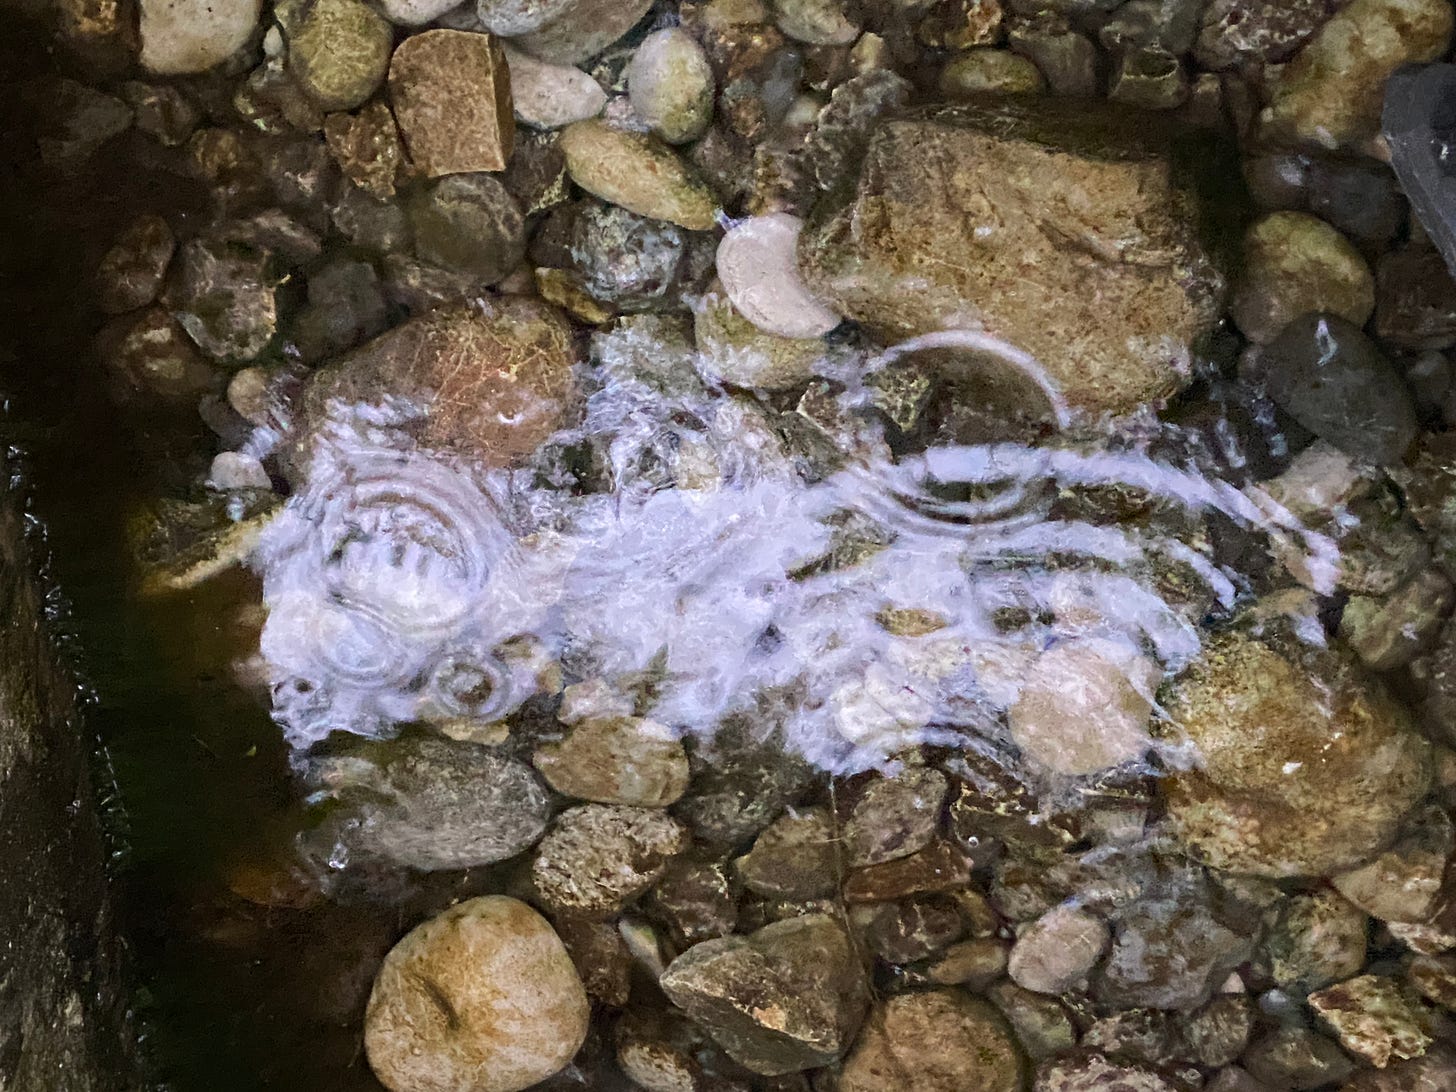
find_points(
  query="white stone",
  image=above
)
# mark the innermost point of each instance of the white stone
(759, 269)
(549, 96)
(1085, 706)
(235, 470)
(180, 37)
(413, 13)
(1057, 951)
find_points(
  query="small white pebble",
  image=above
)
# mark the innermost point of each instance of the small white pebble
(759, 269)
(234, 470)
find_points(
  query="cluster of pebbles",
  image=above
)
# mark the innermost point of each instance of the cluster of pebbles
(1227, 872)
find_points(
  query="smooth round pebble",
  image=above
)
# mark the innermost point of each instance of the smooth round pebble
(1085, 706)
(1295, 263)
(758, 266)
(549, 96)
(482, 998)
(670, 84)
(180, 37)
(237, 470)
(1057, 950)
(414, 13)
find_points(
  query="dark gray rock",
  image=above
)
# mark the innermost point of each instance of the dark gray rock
(1326, 374)
(1419, 124)
(223, 296)
(470, 224)
(788, 997)
(430, 803)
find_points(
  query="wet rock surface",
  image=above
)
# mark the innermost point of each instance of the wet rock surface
(788, 997)
(883, 270)
(680, 441)
(1267, 770)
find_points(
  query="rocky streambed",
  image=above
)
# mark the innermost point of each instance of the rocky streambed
(800, 546)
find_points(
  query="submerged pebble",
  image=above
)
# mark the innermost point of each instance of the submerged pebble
(482, 998)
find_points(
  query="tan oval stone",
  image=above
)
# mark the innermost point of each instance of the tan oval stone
(638, 173)
(482, 998)
(617, 760)
(180, 37)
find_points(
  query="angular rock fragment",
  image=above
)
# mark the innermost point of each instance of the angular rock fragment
(1375, 1018)
(937, 1041)
(1058, 227)
(786, 998)
(452, 99)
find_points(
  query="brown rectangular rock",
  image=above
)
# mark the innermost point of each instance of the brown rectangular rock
(451, 91)
(1060, 226)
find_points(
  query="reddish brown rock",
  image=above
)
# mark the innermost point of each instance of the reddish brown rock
(452, 98)
(366, 147)
(495, 376)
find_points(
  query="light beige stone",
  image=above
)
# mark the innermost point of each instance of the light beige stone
(482, 998)
(637, 172)
(180, 37)
(617, 760)
(760, 273)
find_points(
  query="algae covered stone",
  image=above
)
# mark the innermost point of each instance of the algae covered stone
(482, 998)
(1295, 263)
(637, 172)
(1302, 766)
(1058, 226)
(338, 50)
(1330, 95)
(938, 1041)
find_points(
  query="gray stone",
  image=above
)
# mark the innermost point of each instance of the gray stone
(795, 857)
(788, 997)
(223, 297)
(1169, 951)
(1260, 31)
(895, 816)
(430, 803)
(470, 224)
(1297, 1059)
(1326, 374)
(131, 272)
(627, 260)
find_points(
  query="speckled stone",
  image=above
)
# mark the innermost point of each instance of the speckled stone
(670, 84)
(1404, 883)
(1314, 940)
(1056, 951)
(482, 998)
(895, 816)
(597, 857)
(1377, 1019)
(1273, 796)
(937, 1041)
(785, 998)
(338, 50)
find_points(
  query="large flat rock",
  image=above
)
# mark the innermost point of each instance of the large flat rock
(1061, 226)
